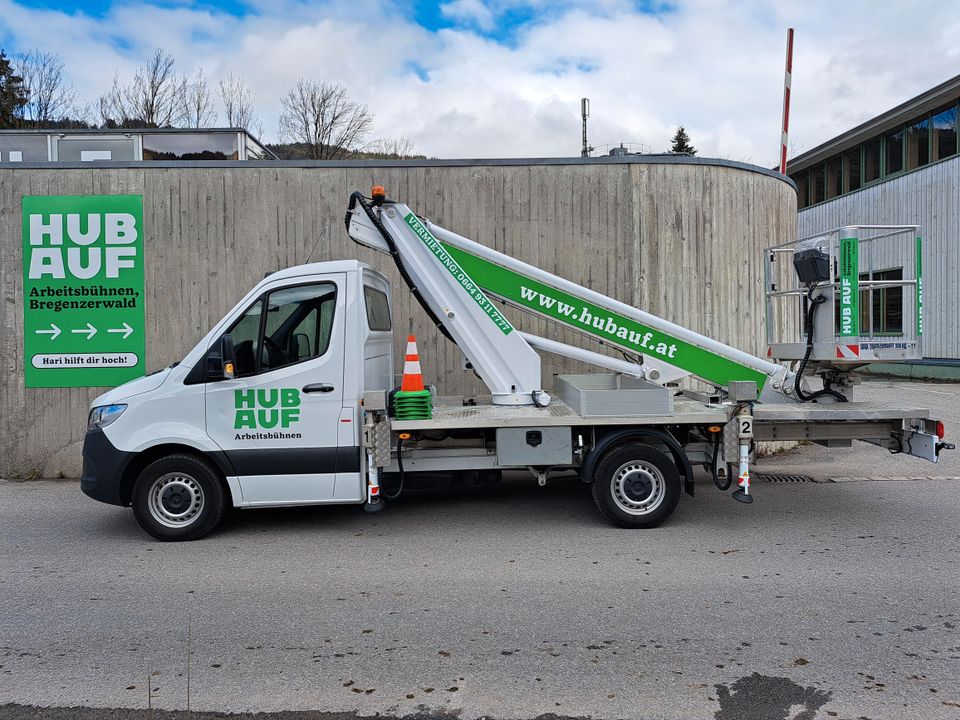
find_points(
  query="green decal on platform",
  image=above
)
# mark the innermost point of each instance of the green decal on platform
(607, 325)
(83, 304)
(445, 258)
(919, 286)
(849, 288)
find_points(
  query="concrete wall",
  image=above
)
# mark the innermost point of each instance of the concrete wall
(929, 197)
(680, 237)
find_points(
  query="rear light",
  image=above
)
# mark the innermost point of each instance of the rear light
(941, 430)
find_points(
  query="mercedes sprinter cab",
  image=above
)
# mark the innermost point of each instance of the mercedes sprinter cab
(263, 412)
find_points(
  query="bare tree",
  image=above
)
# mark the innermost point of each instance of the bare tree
(236, 99)
(109, 107)
(196, 105)
(321, 118)
(391, 148)
(51, 98)
(152, 99)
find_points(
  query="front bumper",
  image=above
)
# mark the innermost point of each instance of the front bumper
(103, 467)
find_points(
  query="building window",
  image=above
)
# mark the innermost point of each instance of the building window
(255, 151)
(918, 144)
(894, 152)
(818, 185)
(20, 147)
(834, 177)
(73, 149)
(803, 196)
(851, 169)
(871, 160)
(190, 146)
(922, 141)
(944, 133)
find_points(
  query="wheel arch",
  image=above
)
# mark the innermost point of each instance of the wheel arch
(612, 438)
(151, 454)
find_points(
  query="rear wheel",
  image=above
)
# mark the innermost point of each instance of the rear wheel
(636, 486)
(179, 497)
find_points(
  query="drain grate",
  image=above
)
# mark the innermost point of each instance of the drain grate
(785, 478)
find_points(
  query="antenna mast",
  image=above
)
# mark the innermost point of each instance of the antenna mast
(585, 113)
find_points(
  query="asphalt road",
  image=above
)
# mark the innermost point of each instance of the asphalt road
(509, 601)
(819, 600)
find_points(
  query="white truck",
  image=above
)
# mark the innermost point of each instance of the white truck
(288, 399)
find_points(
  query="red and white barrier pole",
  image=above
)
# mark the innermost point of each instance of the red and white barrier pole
(787, 79)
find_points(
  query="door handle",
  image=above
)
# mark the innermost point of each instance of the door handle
(318, 387)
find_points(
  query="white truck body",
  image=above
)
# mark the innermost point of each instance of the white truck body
(309, 455)
(285, 400)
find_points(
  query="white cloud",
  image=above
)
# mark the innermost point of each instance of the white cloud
(715, 66)
(469, 11)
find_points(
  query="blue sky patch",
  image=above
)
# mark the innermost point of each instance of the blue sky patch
(101, 8)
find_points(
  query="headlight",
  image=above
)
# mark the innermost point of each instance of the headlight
(104, 415)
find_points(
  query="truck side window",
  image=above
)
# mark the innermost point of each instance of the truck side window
(298, 325)
(245, 333)
(378, 309)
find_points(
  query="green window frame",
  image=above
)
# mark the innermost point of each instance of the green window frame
(821, 183)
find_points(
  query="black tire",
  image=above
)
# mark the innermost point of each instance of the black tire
(179, 497)
(635, 485)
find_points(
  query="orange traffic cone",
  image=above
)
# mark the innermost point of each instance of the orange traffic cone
(412, 376)
(412, 401)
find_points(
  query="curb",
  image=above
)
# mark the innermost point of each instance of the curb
(889, 478)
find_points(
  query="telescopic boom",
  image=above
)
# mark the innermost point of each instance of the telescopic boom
(454, 277)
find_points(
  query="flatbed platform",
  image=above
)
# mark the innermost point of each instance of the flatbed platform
(449, 413)
(851, 411)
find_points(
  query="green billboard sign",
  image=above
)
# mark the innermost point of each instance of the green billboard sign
(83, 299)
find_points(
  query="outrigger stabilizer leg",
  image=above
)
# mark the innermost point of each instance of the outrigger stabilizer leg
(743, 416)
(743, 493)
(373, 503)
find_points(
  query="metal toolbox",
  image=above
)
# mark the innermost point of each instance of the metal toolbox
(534, 446)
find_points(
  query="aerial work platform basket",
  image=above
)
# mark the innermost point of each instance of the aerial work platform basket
(870, 280)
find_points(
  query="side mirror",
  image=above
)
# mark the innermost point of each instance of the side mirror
(229, 356)
(221, 360)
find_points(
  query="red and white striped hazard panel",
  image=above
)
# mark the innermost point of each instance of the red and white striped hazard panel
(848, 352)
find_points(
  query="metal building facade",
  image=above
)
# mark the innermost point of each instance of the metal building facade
(929, 197)
(680, 237)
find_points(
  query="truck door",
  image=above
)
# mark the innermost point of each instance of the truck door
(277, 420)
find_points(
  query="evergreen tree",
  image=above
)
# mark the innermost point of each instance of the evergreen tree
(680, 143)
(13, 95)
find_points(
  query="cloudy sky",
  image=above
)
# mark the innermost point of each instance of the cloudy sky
(504, 78)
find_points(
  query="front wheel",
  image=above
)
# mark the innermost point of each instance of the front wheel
(179, 497)
(636, 486)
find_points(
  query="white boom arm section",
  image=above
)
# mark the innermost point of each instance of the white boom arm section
(498, 353)
(453, 276)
